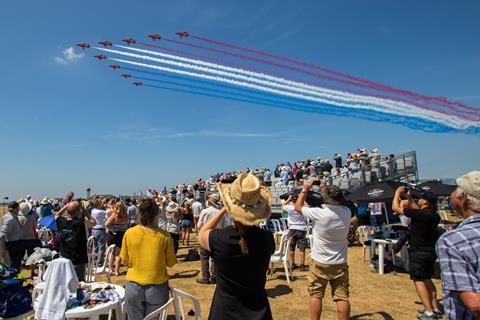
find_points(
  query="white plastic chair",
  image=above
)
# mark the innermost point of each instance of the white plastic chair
(92, 260)
(277, 226)
(161, 313)
(284, 222)
(104, 269)
(178, 296)
(364, 232)
(281, 256)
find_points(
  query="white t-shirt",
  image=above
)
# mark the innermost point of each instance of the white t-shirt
(330, 231)
(376, 208)
(100, 217)
(295, 220)
(197, 208)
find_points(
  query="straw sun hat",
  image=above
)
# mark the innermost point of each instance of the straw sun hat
(172, 207)
(246, 200)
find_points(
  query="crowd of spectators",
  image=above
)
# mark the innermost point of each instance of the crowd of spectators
(287, 174)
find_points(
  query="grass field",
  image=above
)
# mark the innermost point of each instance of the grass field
(391, 296)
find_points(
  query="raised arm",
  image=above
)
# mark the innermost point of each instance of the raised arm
(302, 195)
(60, 212)
(111, 219)
(396, 205)
(204, 232)
(89, 220)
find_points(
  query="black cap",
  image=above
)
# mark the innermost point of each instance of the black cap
(13, 205)
(430, 197)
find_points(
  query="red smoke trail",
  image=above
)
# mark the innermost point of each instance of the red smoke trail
(301, 71)
(337, 73)
(246, 67)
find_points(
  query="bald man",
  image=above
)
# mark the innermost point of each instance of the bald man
(73, 235)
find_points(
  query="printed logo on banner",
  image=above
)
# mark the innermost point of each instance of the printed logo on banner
(374, 193)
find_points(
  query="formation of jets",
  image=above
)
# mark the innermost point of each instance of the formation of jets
(83, 45)
(129, 41)
(105, 43)
(182, 34)
(154, 37)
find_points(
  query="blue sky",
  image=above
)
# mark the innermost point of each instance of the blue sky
(69, 125)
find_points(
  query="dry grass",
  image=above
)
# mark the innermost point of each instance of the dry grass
(391, 296)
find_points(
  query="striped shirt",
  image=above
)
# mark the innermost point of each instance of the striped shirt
(459, 252)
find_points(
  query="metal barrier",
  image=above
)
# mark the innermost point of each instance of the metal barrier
(402, 167)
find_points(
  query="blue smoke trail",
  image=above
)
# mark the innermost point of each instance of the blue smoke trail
(411, 122)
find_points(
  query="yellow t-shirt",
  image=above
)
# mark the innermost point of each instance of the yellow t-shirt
(147, 253)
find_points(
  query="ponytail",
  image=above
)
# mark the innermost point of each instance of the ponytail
(243, 243)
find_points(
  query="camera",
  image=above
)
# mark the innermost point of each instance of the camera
(313, 198)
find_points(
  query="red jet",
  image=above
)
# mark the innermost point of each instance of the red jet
(126, 75)
(154, 36)
(83, 45)
(114, 66)
(105, 43)
(136, 84)
(129, 41)
(182, 34)
(101, 57)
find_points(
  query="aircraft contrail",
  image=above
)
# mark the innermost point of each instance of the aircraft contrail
(280, 80)
(411, 122)
(288, 67)
(471, 115)
(431, 116)
(382, 106)
(337, 73)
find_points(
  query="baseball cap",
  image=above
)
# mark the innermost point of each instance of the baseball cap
(470, 183)
(429, 196)
(13, 205)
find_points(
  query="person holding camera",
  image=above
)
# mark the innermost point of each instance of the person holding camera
(422, 256)
(297, 229)
(331, 223)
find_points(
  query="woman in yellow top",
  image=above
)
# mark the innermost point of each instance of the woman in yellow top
(147, 251)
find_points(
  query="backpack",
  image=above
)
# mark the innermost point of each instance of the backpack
(362, 209)
(192, 255)
(15, 299)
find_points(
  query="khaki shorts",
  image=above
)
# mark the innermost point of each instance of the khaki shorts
(321, 274)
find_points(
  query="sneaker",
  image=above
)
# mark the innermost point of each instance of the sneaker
(303, 268)
(424, 316)
(438, 313)
(294, 266)
(203, 281)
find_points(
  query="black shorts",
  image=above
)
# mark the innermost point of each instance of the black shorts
(421, 265)
(298, 239)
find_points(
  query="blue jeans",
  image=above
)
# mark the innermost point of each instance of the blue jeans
(99, 244)
(376, 220)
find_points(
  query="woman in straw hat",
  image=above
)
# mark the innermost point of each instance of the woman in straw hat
(241, 253)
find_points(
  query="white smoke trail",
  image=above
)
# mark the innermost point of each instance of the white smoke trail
(402, 109)
(325, 93)
(459, 124)
(278, 80)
